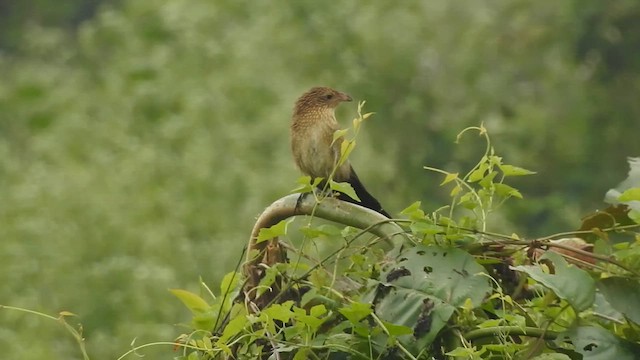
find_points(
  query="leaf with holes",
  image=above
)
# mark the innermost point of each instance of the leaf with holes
(422, 288)
(595, 343)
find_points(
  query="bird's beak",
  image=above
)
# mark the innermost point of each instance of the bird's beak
(345, 97)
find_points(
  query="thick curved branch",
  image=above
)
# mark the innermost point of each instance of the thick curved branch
(268, 253)
(329, 209)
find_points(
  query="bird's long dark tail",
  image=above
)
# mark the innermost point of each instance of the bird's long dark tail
(366, 199)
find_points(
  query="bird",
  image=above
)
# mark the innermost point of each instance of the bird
(314, 150)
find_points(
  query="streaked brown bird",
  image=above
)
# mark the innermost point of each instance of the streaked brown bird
(312, 127)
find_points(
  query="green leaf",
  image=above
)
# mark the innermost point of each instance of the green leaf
(318, 310)
(313, 322)
(192, 301)
(269, 278)
(510, 170)
(448, 178)
(424, 285)
(346, 147)
(281, 312)
(325, 230)
(234, 327)
(274, 231)
(595, 343)
(340, 133)
(344, 188)
(507, 191)
(478, 173)
(367, 115)
(632, 194)
(488, 180)
(623, 294)
(466, 353)
(414, 211)
(204, 321)
(305, 185)
(494, 159)
(397, 330)
(302, 354)
(569, 282)
(425, 227)
(229, 282)
(356, 311)
(468, 201)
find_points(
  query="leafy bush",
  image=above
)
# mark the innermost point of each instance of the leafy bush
(449, 287)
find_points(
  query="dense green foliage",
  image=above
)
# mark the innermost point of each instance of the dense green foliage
(137, 148)
(449, 287)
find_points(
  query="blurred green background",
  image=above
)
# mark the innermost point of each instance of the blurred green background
(140, 139)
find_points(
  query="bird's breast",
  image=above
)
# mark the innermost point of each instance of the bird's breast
(313, 150)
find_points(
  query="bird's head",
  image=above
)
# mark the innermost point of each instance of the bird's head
(320, 98)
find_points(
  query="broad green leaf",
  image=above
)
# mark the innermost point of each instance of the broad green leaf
(602, 307)
(510, 170)
(569, 282)
(623, 294)
(274, 231)
(422, 288)
(192, 301)
(596, 343)
(344, 188)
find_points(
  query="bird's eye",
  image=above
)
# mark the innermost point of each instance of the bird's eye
(328, 96)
